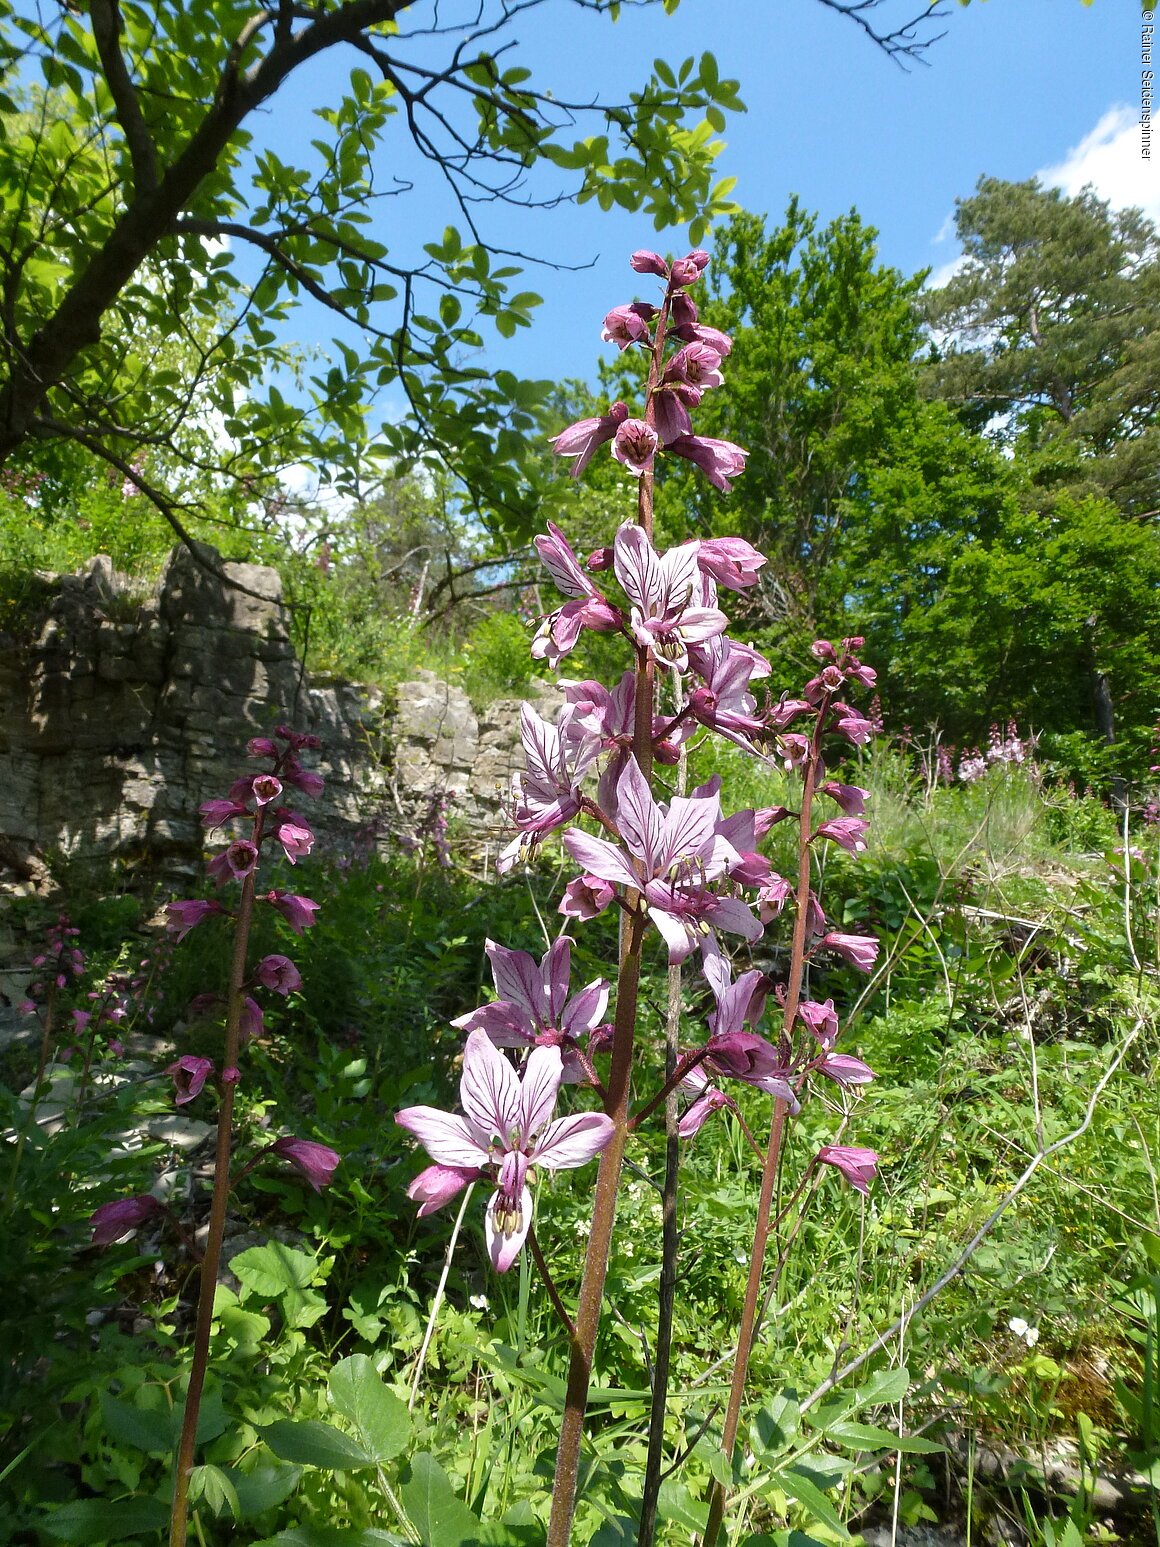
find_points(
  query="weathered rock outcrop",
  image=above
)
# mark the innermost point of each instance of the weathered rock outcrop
(120, 714)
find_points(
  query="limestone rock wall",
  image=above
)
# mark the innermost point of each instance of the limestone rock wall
(119, 715)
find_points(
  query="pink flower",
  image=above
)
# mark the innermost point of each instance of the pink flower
(687, 271)
(696, 364)
(266, 788)
(671, 405)
(304, 779)
(858, 1166)
(725, 702)
(585, 897)
(719, 460)
(181, 917)
(771, 899)
(849, 831)
(649, 263)
(251, 1023)
(699, 1111)
(624, 326)
(860, 951)
(850, 797)
(507, 1129)
(560, 631)
(216, 812)
(261, 746)
(846, 1070)
(534, 1008)
(242, 857)
(547, 793)
(662, 589)
(731, 561)
(635, 445)
(189, 1075)
(316, 1162)
(821, 1018)
(671, 856)
(113, 1220)
(852, 725)
(296, 840)
(581, 439)
(279, 974)
(297, 911)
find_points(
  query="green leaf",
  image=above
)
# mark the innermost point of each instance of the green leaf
(275, 1268)
(310, 1442)
(264, 1488)
(104, 1520)
(360, 1395)
(868, 1436)
(130, 1425)
(330, 1536)
(211, 1484)
(807, 1492)
(433, 1507)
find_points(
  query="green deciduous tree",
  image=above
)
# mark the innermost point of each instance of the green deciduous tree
(134, 172)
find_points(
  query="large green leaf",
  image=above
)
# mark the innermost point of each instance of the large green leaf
(271, 1270)
(310, 1442)
(433, 1507)
(104, 1520)
(360, 1395)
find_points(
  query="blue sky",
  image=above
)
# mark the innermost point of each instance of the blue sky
(1016, 88)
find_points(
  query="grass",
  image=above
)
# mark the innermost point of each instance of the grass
(1007, 988)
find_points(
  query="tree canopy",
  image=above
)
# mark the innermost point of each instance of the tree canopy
(136, 173)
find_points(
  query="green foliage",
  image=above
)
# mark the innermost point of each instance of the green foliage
(1064, 296)
(495, 654)
(996, 917)
(134, 151)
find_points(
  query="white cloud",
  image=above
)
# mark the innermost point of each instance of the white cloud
(1109, 159)
(944, 273)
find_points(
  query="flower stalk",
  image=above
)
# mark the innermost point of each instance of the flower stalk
(219, 1203)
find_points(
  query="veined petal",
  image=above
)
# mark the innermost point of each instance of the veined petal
(736, 918)
(444, 1135)
(599, 858)
(676, 933)
(585, 1009)
(541, 1082)
(700, 623)
(637, 567)
(560, 561)
(517, 978)
(687, 830)
(572, 1141)
(637, 815)
(506, 1225)
(555, 972)
(541, 747)
(506, 1023)
(489, 1088)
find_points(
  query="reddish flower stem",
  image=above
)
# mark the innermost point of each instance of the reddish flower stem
(619, 1080)
(776, 1136)
(211, 1262)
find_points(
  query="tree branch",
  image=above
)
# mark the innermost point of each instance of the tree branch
(105, 16)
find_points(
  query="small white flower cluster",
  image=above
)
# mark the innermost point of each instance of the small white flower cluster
(1023, 1329)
